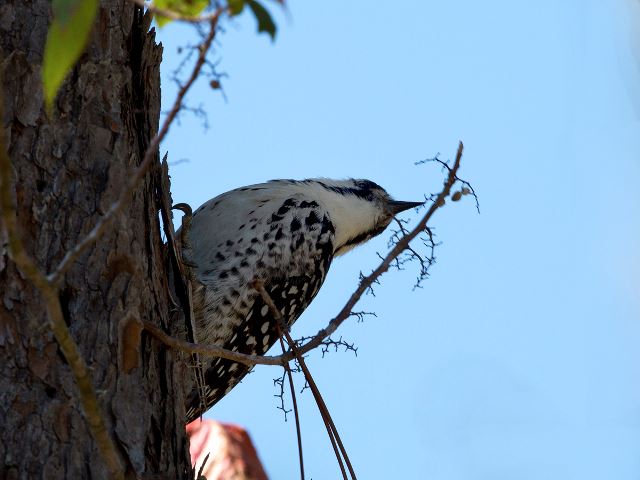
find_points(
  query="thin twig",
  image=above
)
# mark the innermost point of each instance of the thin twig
(138, 174)
(280, 396)
(201, 469)
(79, 370)
(214, 350)
(467, 188)
(287, 369)
(411, 254)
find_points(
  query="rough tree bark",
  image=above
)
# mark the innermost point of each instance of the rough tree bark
(68, 168)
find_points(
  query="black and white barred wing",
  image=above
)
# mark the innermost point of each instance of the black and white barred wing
(255, 336)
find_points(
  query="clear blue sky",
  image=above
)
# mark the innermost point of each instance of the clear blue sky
(519, 359)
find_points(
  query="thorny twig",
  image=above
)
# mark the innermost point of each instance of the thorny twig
(287, 369)
(279, 382)
(466, 189)
(411, 254)
(369, 289)
(360, 315)
(330, 343)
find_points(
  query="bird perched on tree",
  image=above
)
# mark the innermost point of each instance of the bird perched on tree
(285, 233)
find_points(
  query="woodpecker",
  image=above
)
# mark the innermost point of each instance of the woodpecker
(285, 233)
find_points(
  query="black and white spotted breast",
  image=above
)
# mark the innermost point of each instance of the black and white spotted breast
(292, 261)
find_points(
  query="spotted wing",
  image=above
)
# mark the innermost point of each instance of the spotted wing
(305, 235)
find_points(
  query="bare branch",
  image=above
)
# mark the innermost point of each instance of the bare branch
(79, 369)
(367, 281)
(214, 350)
(138, 174)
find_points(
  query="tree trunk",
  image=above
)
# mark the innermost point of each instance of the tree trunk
(68, 168)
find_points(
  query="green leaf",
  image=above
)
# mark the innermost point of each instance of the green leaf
(187, 8)
(265, 22)
(236, 7)
(66, 40)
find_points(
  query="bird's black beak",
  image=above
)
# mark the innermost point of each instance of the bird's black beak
(396, 206)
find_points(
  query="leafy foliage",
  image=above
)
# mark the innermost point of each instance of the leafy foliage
(265, 22)
(236, 6)
(73, 20)
(66, 40)
(187, 8)
(192, 8)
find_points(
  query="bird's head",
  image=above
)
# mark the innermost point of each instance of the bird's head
(359, 209)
